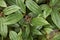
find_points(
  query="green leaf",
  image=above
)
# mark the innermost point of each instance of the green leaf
(21, 4)
(31, 5)
(36, 32)
(2, 3)
(56, 37)
(14, 18)
(39, 1)
(52, 25)
(55, 15)
(13, 35)
(20, 35)
(15, 25)
(53, 2)
(30, 37)
(23, 0)
(46, 10)
(43, 37)
(11, 2)
(26, 32)
(10, 9)
(3, 27)
(48, 30)
(38, 21)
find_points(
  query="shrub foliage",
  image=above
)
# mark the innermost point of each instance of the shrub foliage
(29, 19)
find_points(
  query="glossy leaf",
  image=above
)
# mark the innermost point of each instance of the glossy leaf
(10, 9)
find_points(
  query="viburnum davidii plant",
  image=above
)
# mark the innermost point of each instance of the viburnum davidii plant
(29, 19)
